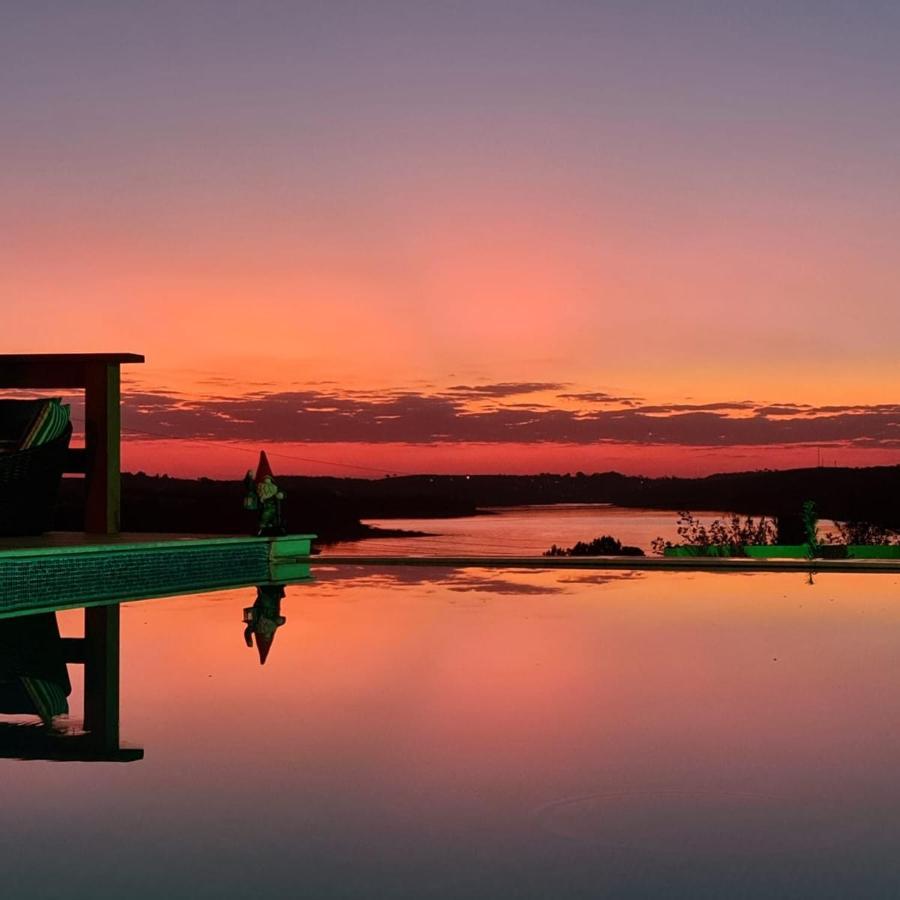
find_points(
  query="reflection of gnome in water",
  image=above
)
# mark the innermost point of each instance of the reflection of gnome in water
(264, 618)
(264, 496)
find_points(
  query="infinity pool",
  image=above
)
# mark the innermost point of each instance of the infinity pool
(481, 733)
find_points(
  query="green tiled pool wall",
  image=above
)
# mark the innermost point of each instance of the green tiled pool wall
(127, 573)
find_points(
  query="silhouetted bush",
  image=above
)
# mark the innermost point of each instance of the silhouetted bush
(601, 546)
(733, 533)
(861, 533)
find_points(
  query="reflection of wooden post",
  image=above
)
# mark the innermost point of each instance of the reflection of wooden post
(101, 675)
(102, 423)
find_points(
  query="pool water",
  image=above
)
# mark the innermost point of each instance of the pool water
(445, 733)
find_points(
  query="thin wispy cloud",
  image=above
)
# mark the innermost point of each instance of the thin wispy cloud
(600, 397)
(503, 389)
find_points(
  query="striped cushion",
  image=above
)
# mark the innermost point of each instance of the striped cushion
(49, 424)
(48, 697)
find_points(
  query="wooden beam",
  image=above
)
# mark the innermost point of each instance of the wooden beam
(102, 425)
(34, 375)
(40, 371)
(73, 748)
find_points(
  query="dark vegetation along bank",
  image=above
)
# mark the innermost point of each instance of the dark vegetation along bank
(606, 545)
(333, 507)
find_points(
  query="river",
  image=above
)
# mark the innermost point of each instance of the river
(521, 530)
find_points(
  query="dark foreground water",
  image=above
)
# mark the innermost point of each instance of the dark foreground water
(487, 734)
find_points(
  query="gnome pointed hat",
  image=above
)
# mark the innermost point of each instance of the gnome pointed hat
(263, 645)
(263, 469)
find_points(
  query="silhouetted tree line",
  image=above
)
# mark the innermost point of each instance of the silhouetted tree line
(333, 507)
(869, 494)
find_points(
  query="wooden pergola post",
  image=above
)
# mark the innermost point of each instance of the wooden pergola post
(102, 438)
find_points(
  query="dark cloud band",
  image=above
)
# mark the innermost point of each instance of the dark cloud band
(320, 415)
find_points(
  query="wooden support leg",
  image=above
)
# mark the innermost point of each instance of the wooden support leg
(102, 426)
(101, 675)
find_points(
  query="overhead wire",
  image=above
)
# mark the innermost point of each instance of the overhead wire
(243, 448)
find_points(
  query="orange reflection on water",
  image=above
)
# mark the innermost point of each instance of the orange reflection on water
(734, 677)
(624, 728)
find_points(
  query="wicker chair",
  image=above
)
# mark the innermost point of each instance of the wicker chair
(29, 484)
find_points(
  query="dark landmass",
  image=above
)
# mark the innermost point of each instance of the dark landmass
(204, 506)
(870, 494)
(333, 507)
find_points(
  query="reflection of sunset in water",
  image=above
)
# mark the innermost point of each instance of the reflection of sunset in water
(530, 723)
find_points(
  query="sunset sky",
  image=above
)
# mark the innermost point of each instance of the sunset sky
(488, 236)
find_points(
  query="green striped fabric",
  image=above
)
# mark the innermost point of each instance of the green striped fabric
(48, 425)
(48, 697)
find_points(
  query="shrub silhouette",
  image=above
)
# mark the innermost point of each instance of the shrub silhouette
(734, 533)
(606, 545)
(861, 533)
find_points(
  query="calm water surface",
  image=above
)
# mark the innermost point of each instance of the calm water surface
(522, 530)
(481, 733)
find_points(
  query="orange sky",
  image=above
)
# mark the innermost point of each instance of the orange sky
(374, 460)
(682, 209)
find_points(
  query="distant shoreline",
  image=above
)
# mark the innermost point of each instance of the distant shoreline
(334, 508)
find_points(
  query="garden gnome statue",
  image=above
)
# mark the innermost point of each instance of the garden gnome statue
(264, 618)
(264, 495)
(251, 501)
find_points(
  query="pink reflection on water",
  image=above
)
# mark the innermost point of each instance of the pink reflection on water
(549, 728)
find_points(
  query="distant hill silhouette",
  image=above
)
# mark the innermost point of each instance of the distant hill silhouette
(333, 507)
